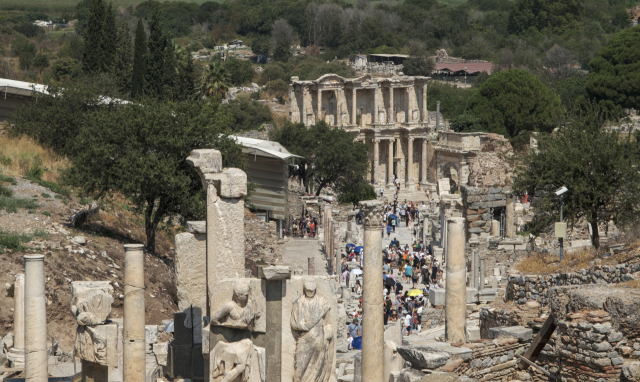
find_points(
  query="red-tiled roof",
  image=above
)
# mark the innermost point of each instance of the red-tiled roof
(472, 67)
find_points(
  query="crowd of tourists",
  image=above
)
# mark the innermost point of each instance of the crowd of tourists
(411, 263)
(305, 227)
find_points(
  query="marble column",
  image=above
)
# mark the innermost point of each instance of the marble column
(390, 163)
(400, 168)
(481, 274)
(424, 160)
(410, 164)
(437, 115)
(456, 287)
(476, 269)
(328, 215)
(35, 320)
(353, 106)
(16, 353)
(392, 114)
(372, 302)
(424, 102)
(304, 111)
(319, 115)
(409, 104)
(134, 360)
(375, 104)
(376, 161)
(311, 266)
(336, 247)
(510, 229)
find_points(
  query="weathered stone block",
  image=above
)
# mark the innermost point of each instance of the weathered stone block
(98, 344)
(423, 357)
(437, 297)
(230, 183)
(275, 272)
(472, 295)
(206, 161)
(197, 227)
(191, 276)
(518, 332)
(224, 300)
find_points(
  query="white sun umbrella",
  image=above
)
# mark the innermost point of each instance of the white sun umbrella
(357, 271)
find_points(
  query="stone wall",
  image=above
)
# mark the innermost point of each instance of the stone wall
(536, 288)
(597, 333)
(432, 317)
(530, 315)
(477, 203)
(493, 360)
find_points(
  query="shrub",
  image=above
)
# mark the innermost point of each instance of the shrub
(11, 204)
(45, 195)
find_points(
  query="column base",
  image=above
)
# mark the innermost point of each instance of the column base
(16, 357)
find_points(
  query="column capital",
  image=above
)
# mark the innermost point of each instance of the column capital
(372, 211)
(411, 139)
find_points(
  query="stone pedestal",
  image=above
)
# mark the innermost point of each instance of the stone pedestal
(311, 267)
(16, 353)
(455, 306)
(134, 314)
(372, 302)
(35, 318)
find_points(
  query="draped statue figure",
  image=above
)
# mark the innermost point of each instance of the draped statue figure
(314, 353)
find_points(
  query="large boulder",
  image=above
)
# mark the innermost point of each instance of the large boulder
(422, 357)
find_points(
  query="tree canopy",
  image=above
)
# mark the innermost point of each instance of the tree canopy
(513, 101)
(331, 158)
(598, 168)
(614, 75)
(138, 149)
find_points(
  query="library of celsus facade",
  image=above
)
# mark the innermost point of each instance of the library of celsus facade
(389, 114)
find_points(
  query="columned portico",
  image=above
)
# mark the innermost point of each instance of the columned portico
(319, 115)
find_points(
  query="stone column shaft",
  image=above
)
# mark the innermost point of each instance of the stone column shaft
(319, 115)
(424, 160)
(510, 229)
(353, 106)
(481, 274)
(134, 318)
(392, 114)
(476, 269)
(409, 103)
(311, 266)
(375, 105)
(336, 247)
(372, 302)
(424, 103)
(390, 163)
(18, 313)
(376, 161)
(410, 162)
(455, 303)
(437, 115)
(35, 320)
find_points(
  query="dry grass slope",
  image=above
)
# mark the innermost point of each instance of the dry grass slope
(18, 155)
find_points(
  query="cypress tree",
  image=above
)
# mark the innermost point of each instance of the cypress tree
(186, 78)
(139, 62)
(93, 59)
(109, 36)
(169, 79)
(121, 68)
(155, 65)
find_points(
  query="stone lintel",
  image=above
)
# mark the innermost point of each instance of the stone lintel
(275, 272)
(230, 183)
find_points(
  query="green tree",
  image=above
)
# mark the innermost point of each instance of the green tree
(155, 63)
(513, 101)
(65, 69)
(186, 74)
(137, 150)
(465, 123)
(122, 68)
(248, 114)
(356, 190)
(283, 36)
(418, 63)
(555, 15)
(25, 50)
(598, 168)
(240, 71)
(139, 62)
(614, 75)
(93, 59)
(170, 74)
(41, 62)
(215, 80)
(331, 156)
(109, 38)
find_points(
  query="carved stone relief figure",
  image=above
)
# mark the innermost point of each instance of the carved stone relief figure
(233, 362)
(314, 353)
(91, 302)
(240, 313)
(415, 115)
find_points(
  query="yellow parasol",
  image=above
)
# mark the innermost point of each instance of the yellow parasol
(415, 292)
